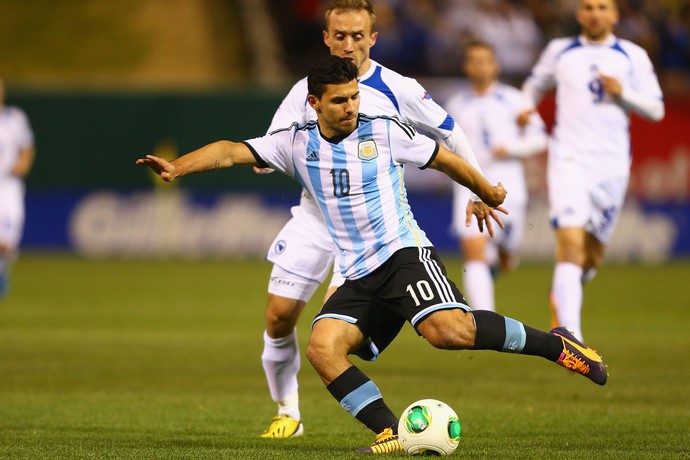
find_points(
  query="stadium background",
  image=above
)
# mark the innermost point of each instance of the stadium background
(141, 337)
(106, 82)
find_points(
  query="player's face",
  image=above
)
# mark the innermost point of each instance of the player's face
(481, 66)
(337, 109)
(349, 36)
(597, 18)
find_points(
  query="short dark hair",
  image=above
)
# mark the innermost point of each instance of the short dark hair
(330, 70)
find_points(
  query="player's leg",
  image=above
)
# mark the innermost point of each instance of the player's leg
(302, 255)
(566, 287)
(337, 280)
(349, 323)
(11, 225)
(570, 209)
(608, 196)
(478, 281)
(456, 329)
(5, 252)
(594, 257)
(287, 297)
(436, 308)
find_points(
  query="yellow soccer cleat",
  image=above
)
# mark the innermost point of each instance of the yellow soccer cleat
(283, 426)
(386, 442)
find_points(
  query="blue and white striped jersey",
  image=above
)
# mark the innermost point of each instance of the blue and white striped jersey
(357, 183)
(592, 127)
(382, 92)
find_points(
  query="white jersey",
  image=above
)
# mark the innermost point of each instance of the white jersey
(592, 128)
(357, 183)
(489, 121)
(15, 136)
(382, 92)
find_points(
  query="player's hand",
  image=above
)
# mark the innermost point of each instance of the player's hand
(611, 85)
(523, 117)
(495, 197)
(263, 170)
(484, 215)
(501, 153)
(162, 167)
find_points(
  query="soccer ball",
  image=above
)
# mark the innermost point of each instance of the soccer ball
(429, 427)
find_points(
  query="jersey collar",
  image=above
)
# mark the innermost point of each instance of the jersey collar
(371, 70)
(610, 41)
(339, 138)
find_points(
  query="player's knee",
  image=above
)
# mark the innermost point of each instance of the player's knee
(282, 314)
(448, 331)
(444, 338)
(320, 350)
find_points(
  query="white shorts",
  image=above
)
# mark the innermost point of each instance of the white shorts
(303, 246)
(581, 197)
(508, 238)
(11, 213)
(286, 284)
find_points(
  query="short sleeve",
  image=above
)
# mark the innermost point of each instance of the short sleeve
(408, 146)
(273, 150)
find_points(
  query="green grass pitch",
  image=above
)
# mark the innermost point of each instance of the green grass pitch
(147, 360)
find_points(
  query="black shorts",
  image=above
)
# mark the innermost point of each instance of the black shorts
(409, 286)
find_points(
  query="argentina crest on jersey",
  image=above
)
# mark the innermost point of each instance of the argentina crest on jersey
(367, 149)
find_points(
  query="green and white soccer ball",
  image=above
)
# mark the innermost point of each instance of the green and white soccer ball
(429, 427)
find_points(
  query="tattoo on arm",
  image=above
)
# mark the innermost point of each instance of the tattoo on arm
(215, 165)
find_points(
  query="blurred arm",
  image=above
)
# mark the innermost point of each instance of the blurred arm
(24, 162)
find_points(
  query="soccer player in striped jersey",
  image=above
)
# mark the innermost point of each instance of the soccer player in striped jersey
(487, 110)
(16, 158)
(352, 165)
(599, 79)
(302, 259)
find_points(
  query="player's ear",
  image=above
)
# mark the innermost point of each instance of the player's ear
(374, 35)
(314, 102)
(325, 38)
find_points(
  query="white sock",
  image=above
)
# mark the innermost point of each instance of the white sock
(479, 285)
(281, 361)
(566, 292)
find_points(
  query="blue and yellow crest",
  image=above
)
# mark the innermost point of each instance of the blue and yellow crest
(367, 150)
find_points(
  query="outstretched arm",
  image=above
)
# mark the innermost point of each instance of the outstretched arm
(458, 169)
(221, 154)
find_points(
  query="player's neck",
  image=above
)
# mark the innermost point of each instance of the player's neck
(329, 133)
(482, 88)
(364, 68)
(597, 40)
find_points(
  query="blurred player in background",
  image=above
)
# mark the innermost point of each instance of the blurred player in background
(599, 80)
(487, 111)
(16, 158)
(302, 254)
(352, 166)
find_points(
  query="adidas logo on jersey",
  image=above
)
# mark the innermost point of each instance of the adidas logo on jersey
(312, 156)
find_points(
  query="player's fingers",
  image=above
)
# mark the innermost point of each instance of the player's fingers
(501, 209)
(489, 227)
(497, 218)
